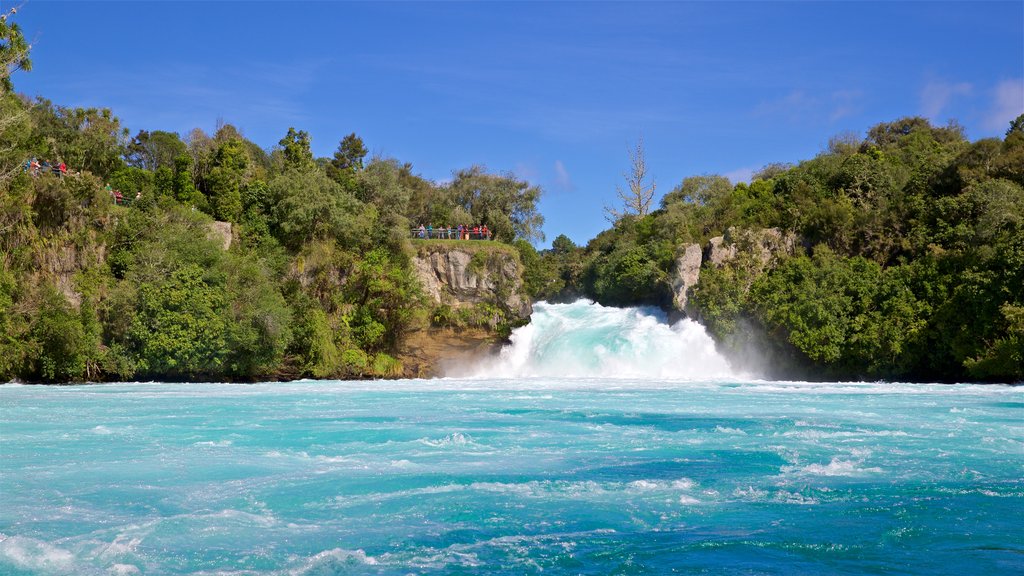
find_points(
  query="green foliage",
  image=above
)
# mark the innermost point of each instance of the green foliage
(542, 277)
(151, 151)
(14, 50)
(1004, 358)
(916, 270)
(258, 329)
(507, 205)
(385, 365)
(820, 304)
(310, 206)
(13, 328)
(61, 344)
(354, 361)
(178, 329)
(721, 296)
(318, 281)
(385, 296)
(87, 139)
(314, 343)
(296, 149)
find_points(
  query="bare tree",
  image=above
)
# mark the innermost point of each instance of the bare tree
(637, 198)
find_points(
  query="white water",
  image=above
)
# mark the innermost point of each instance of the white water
(584, 339)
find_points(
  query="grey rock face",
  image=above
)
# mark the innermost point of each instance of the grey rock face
(220, 232)
(767, 245)
(687, 266)
(448, 276)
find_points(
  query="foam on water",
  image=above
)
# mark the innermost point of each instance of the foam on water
(653, 458)
(584, 339)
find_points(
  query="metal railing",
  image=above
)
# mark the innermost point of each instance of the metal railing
(450, 234)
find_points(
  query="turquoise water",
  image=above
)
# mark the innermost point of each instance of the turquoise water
(525, 475)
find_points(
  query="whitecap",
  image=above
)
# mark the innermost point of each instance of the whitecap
(213, 444)
(836, 467)
(334, 558)
(683, 484)
(749, 493)
(36, 555)
(453, 439)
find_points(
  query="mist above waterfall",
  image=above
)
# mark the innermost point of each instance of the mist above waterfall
(585, 339)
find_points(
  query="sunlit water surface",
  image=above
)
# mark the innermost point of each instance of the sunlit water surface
(584, 476)
(652, 458)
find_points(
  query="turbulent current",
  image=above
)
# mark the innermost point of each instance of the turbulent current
(602, 442)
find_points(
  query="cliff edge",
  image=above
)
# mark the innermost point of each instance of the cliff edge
(476, 291)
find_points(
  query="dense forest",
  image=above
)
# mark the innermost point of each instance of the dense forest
(911, 263)
(114, 267)
(911, 267)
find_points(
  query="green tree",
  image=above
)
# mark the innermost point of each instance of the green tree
(226, 180)
(507, 205)
(308, 206)
(178, 329)
(350, 153)
(14, 50)
(62, 346)
(89, 139)
(258, 328)
(296, 149)
(154, 150)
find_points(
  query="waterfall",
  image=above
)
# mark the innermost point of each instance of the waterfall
(584, 339)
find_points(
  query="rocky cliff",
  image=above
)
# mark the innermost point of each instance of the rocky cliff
(765, 247)
(462, 277)
(476, 289)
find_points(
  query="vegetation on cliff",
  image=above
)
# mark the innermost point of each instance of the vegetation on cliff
(912, 263)
(313, 277)
(912, 267)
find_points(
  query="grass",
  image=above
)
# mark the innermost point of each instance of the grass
(424, 246)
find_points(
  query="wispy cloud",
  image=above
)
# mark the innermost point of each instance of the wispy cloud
(936, 95)
(562, 177)
(191, 95)
(799, 105)
(1007, 104)
(845, 103)
(527, 171)
(794, 103)
(740, 175)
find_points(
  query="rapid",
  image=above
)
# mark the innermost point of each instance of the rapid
(602, 441)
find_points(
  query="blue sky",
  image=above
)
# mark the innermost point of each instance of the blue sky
(553, 92)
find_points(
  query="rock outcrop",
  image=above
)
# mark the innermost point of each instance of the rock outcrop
(766, 246)
(464, 277)
(687, 272)
(467, 279)
(220, 232)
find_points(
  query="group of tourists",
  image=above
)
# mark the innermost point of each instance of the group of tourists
(459, 232)
(119, 198)
(34, 167)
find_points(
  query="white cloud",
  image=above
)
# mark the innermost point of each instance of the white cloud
(1008, 103)
(845, 103)
(792, 104)
(562, 178)
(527, 171)
(937, 94)
(740, 175)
